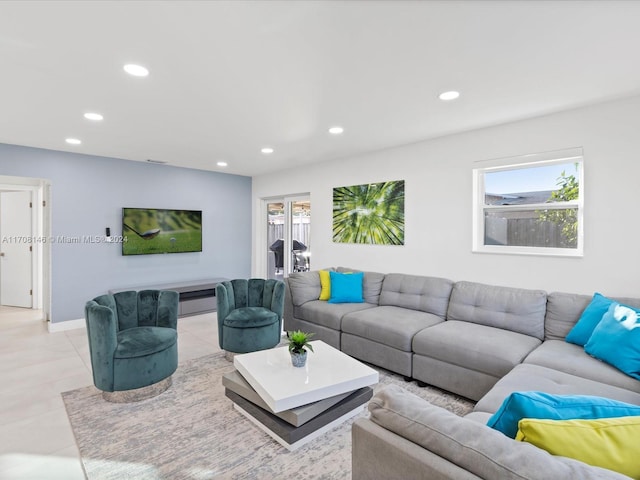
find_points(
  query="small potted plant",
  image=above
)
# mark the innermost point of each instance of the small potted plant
(298, 343)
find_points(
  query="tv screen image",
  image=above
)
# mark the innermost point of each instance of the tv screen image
(152, 230)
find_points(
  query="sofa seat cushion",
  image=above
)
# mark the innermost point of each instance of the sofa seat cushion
(250, 317)
(529, 377)
(392, 326)
(484, 349)
(572, 359)
(327, 314)
(143, 341)
(475, 447)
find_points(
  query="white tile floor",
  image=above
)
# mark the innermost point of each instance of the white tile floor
(36, 441)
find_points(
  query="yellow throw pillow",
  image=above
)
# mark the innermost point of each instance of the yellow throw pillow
(325, 285)
(610, 443)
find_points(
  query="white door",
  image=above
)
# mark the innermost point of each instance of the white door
(288, 236)
(15, 249)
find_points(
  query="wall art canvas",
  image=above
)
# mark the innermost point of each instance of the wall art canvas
(372, 213)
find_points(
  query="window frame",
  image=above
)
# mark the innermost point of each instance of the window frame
(573, 155)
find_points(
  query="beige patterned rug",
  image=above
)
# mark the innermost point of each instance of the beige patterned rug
(192, 432)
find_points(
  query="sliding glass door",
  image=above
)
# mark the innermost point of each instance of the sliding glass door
(288, 236)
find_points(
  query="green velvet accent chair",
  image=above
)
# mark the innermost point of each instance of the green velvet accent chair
(133, 339)
(249, 314)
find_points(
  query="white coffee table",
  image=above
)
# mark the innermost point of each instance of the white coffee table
(283, 387)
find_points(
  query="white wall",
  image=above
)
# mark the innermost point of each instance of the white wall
(438, 210)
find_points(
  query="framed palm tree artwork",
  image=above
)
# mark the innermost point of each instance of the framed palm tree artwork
(371, 213)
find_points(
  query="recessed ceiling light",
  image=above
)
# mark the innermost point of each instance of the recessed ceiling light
(93, 116)
(336, 130)
(136, 70)
(450, 95)
(267, 150)
(222, 164)
(73, 141)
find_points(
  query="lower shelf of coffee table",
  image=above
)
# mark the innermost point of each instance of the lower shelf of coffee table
(292, 437)
(297, 416)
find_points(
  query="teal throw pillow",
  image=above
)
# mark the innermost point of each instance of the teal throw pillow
(346, 287)
(590, 317)
(616, 339)
(545, 406)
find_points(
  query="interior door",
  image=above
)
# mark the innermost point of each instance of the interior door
(15, 249)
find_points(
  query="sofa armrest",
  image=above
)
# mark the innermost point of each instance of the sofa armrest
(378, 453)
(472, 446)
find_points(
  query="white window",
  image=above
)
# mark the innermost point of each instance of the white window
(530, 204)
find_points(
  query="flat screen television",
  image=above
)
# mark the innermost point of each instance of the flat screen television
(153, 230)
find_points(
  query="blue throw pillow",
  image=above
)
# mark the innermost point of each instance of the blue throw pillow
(346, 287)
(545, 406)
(590, 317)
(616, 339)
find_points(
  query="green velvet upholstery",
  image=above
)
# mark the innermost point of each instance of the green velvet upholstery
(251, 317)
(133, 339)
(249, 314)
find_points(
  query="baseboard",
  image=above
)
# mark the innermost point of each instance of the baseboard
(68, 325)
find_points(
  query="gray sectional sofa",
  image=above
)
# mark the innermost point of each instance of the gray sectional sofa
(476, 340)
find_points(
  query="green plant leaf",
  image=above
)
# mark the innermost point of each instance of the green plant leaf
(298, 340)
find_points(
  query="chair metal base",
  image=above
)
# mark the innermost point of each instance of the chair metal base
(138, 394)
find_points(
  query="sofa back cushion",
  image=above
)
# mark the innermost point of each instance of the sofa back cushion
(565, 309)
(304, 287)
(371, 285)
(426, 294)
(515, 309)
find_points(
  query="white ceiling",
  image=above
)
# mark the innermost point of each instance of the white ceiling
(228, 78)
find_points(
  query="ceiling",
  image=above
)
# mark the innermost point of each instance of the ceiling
(228, 78)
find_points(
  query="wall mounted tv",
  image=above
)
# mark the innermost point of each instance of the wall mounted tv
(152, 230)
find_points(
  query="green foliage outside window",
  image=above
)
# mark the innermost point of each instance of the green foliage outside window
(568, 190)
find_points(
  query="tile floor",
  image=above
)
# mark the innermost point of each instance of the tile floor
(36, 441)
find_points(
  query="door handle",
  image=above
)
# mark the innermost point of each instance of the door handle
(1, 254)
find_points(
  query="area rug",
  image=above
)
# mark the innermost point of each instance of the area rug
(192, 432)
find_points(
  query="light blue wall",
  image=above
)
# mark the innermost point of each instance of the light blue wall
(88, 194)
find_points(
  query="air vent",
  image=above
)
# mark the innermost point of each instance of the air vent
(159, 162)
